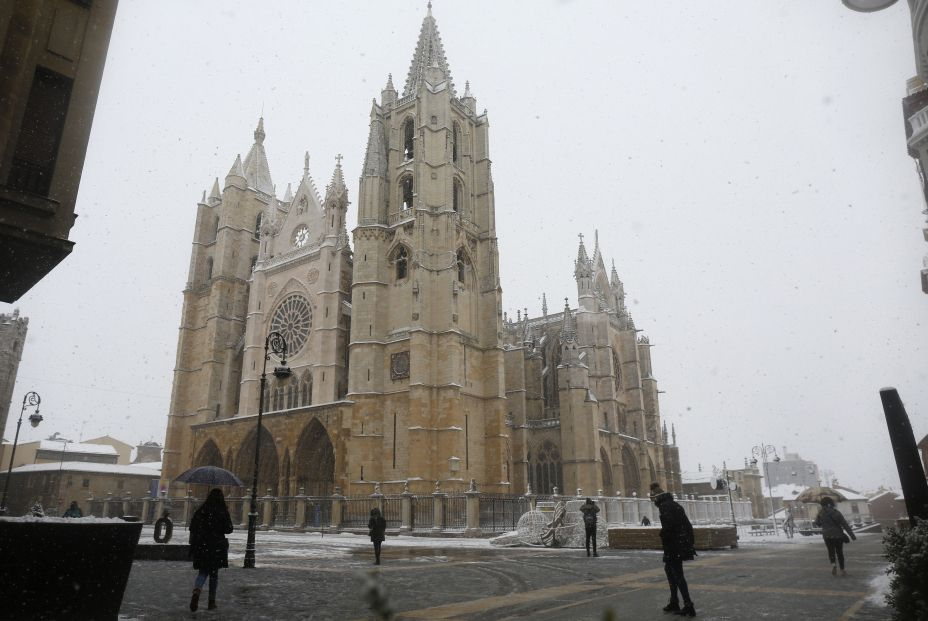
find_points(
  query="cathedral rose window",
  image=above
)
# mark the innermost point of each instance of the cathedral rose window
(293, 319)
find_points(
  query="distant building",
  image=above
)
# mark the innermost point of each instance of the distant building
(56, 450)
(793, 470)
(887, 508)
(854, 507)
(147, 452)
(12, 339)
(51, 65)
(123, 449)
(55, 485)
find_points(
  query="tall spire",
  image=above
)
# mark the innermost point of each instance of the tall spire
(582, 267)
(568, 328)
(214, 195)
(257, 171)
(429, 53)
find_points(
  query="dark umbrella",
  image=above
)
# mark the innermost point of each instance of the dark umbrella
(209, 475)
(815, 494)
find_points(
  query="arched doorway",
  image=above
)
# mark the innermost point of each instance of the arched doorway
(267, 469)
(545, 469)
(208, 455)
(630, 472)
(607, 471)
(314, 461)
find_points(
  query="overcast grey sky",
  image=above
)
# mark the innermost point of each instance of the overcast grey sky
(743, 160)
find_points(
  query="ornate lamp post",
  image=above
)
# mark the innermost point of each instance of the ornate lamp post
(274, 343)
(764, 451)
(32, 399)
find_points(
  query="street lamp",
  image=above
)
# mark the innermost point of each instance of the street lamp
(32, 399)
(274, 343)
(764, 451)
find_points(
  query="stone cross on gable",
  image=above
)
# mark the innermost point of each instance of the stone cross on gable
(338, 159)
(580, 235)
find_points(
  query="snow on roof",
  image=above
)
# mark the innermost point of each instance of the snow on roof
(83, 466)
(895, 495)
(77, 447)
(787, 491)
(696, 477)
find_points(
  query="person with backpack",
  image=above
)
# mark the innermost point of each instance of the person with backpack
(589, 511)
(679, 545)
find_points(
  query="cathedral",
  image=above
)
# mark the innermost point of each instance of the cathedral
(406, 374)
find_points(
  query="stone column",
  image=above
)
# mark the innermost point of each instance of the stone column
(603, 507)
(268, 506)
(300, 520)
(438, 509)
(634, 513)
(106, 504)
(531, 498)
(159, 508)
(472, 513)
(406, 510)
(188, 503)
(337, 500)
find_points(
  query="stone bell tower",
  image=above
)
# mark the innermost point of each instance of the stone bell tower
(426, 367)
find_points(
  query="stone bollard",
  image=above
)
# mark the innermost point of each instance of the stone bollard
(146, 505)
(301, 500)
(472, 511)
(406, 516)
(126, 507)
(531, 498)
(188, 506)
(267, 518)
(438, 508)
(246, 507)
(337, 504)
(635, 513)
(377, 498)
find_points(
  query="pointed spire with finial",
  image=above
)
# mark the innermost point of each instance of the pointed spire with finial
(429, 53)
(673, 434)
(583, 267)
(306, 164)
(568, 327)
(237, 170)
(214, 195)
(388, 94)
(288, 195)
(257, 171)
(544, 305)
(336, 186)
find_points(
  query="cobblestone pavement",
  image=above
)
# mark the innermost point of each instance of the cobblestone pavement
(306, 576)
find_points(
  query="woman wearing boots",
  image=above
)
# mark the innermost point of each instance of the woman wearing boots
(678, 543)
(833, 526)
(378, 532)
(208, 545)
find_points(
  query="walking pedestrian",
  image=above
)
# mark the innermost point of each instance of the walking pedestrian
(589, 511)
(209, 546)
(377, 526)
(678, 543)
(73, 511)
(834, 527)
(789, 524)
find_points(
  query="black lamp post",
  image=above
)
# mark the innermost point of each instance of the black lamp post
(274, 343)
(764, 451)
(31, 399)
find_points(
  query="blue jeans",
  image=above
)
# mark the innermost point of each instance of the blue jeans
(213, 576)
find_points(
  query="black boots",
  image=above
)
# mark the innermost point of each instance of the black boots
(212, 604)
(195, 599)
(687, 611)
(671, 607)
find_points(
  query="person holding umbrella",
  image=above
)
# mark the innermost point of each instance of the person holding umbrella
(209, 546)
(834, 527)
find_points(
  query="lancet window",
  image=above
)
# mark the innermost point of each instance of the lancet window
(409, 130)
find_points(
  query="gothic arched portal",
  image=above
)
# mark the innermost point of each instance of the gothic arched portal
(314, 461)
(544, 468)
(268, 467)
(630, 471)
(208, 455)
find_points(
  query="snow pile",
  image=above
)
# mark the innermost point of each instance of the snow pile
(61, 520)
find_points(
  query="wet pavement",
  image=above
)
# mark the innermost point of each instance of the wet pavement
(308, 576)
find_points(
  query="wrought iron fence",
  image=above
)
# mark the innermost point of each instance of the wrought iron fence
(235, 509)
(455, 512)
(356, 511)
(283, 512)
(423, 512)
(318, 512)
(393, 512)
(501, 513)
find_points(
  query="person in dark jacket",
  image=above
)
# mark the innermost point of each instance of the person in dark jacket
(678, 543)
(73, 511)
(589, 511)
(377, 526)
(833, 526)
(208, 545)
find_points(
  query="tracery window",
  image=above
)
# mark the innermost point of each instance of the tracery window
(545, 470)
(406, 188)
(293, 319)
(455, 140)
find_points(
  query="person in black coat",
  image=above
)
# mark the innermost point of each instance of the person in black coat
(208, 545)
(678, 543)
(834, 527)
(589, 511)
(377, 526)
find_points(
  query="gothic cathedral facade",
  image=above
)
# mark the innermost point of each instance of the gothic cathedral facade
(405, 371)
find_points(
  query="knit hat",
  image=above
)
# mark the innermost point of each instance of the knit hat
(655, 490)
